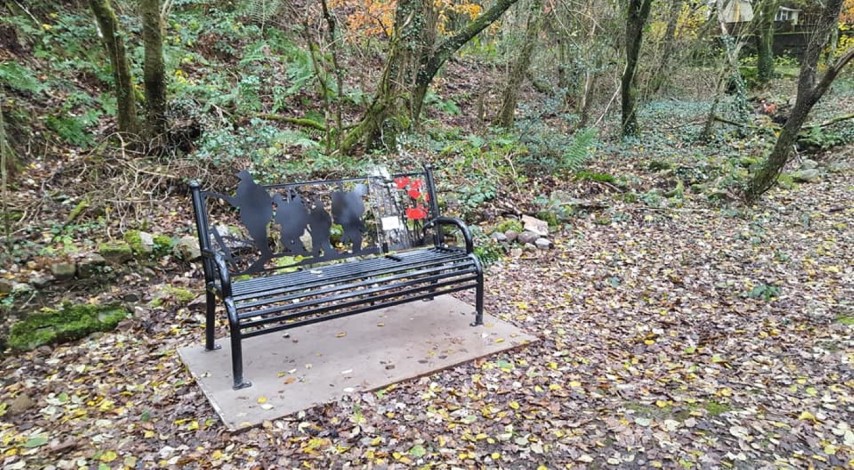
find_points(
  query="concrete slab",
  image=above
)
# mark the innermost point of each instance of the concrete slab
(320, 363)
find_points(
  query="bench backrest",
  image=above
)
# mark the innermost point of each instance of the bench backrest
(269, 227)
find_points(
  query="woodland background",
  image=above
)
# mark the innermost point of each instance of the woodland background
(694, 167)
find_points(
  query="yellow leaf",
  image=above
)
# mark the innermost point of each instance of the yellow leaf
(193, 426)
(554, 387)
(495, 456)
(542, 467)
(148, 434)
(649, 342)
(341, 334)
(807, 416)
(661, 403)
(514, 405)
(216, 455)
(575, 383)
(108, 456)
(262, 399)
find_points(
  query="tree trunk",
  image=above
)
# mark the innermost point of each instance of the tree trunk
(636, 16)
(765, 40)
(520, 67)
(154, 74)
(668, 47)
(412, 64)
(809, 92)
(108, 24)
(431, 64)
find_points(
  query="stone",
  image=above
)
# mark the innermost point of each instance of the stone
(527, 237)
(6, 286)
(187, 248)
(806, 176)
(839, 166)
(63, 270)
(90, 265)
(809, 165)
(499, 237)
(116, 252)
(529, 247)
(516, 252)
(511, 235)
(21, 404)
(543, 243)
(21, 287)
(535, 225)
(40, 282)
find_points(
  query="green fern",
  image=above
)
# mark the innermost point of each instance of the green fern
(261, 11)
(579, 151)
(19, 78)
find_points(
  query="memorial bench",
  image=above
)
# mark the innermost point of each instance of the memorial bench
(339, 247)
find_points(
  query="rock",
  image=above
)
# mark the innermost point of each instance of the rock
(46, 350)
(6, 286)
(537, 226)
(63, 270)
(527, 237)
(187, 248)
(839, 166)
(499, 237)
(511, 235)
(806, 176)
(116, 252)
(529, 247)
(20, 404)
(809, 165)
(21, 287)
(90, 265)
(543, 243)
(516, 252)
(40, 282)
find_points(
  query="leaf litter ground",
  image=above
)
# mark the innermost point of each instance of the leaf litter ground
(696, 337)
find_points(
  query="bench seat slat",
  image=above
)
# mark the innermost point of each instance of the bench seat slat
(428, 290)
(283, 283)
(266, 298)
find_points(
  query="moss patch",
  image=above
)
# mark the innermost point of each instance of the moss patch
(510, 224)
(117, 251)
(846, 320)
(716, 408)
(69, 323)
(163, 244)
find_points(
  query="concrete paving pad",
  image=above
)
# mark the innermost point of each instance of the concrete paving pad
(319, 363)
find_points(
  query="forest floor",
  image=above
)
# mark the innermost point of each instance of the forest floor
(694, 335)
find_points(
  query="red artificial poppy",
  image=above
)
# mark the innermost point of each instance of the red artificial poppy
(414, 193)
(401, 182)
(416, 184)
(416, 213)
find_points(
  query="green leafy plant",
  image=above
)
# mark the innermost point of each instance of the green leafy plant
(766, 292)
(18, 77)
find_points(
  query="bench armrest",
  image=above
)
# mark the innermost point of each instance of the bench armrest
(222, 270)
(456, 222)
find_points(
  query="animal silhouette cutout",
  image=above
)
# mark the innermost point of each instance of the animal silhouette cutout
(258, 212)
(320, 227)
(293, 217)
(347, 210)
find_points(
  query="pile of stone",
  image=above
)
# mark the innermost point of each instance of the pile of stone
(534, 236)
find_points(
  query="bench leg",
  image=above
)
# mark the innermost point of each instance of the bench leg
(210, 320)
(478, 318)
(236, 347)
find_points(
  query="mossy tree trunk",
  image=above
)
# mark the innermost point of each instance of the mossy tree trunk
(414, 60)
(637, 13)
(108, 25)
(809, 92)
(154, 73)
(520, 67)
(8, 166)
(765, 40)
(431, 63)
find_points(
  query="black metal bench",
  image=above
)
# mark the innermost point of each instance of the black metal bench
(339, 248)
